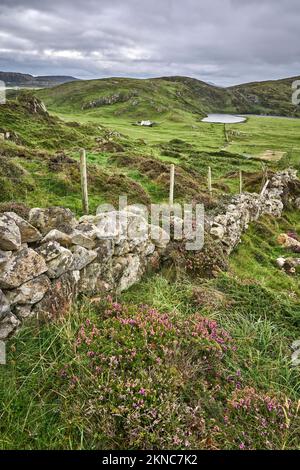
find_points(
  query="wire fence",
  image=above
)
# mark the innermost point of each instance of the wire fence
(57, 189)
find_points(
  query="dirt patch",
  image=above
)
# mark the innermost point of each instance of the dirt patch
(57, 162)
(111, 147)
(272, 155)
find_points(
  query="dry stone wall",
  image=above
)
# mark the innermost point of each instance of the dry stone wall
(51, 258)
(229, 225)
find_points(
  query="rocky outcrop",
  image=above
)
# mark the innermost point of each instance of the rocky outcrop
(289, 265)
(47, 261)
(120, 97)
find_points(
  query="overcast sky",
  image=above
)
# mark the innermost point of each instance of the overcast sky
(221, 41)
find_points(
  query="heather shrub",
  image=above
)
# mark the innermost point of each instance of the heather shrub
(257, 420)
(142, 379)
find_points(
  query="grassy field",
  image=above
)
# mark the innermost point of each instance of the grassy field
(208, 363)
(30, 158)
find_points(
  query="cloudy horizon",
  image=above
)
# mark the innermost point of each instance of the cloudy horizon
(225, 42)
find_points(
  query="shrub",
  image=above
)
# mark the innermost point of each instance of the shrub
(141, 378)
(261, 421)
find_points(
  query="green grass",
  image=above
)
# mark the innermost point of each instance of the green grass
(50, 393)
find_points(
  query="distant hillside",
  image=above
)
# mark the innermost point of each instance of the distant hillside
(138, 98)
(13, 79)
(272, 97)
(170, 97)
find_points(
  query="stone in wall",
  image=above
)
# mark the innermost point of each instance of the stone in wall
(4, 305)
(58, 236)
(30, 292)
(82, 257)
(10, 236)
(96, 277)
(8, 326)
(49, 250)
(60, 264)
(59, 298)
(21, 267)
(52, 218)
(126, 271)
(28, 233)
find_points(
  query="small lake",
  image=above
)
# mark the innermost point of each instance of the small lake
(224, 118)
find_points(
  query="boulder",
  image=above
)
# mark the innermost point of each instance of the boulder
(4, 306)
(8, 326)
(29, 234)
(80, 238)
(59, 298)
(217, 230)
(61, 264)
(82, 257)
(58, 236)
(289, 242)
(52, 218)
(49, 250)
(94, 279)
(30, 292)
(23, 311)
(4, 256)
(126, 271)
(21, 267)
(290, 265)
(105, 250)
(158, 236)
(10, 236)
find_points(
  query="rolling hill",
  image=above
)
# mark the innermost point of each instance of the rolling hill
(171, 97)
(12, 79)
(270, 97)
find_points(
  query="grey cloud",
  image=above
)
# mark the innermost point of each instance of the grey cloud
(223, 41)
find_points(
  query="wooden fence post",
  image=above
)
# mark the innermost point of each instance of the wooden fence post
(84, 186)
(225, 133)
(241, 181)
(172, 180)
(209, 181)
(264, 188)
